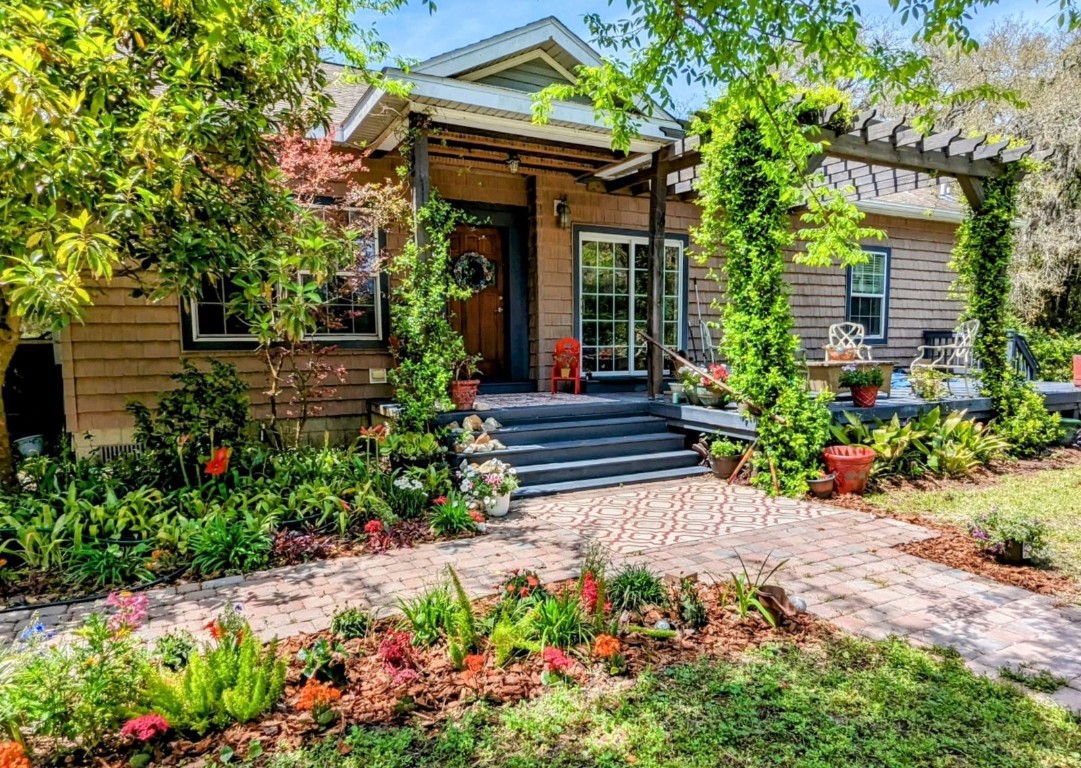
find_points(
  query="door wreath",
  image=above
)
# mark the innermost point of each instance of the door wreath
(473, 271)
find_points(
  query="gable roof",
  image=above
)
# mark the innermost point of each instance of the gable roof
(490, 84)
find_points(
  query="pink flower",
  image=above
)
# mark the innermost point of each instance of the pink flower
(145, 727)
(130, 611)
(556, 661)
(373, 527)
(476, 516)
(590, 592)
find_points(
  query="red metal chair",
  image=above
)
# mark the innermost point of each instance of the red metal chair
(567, 351)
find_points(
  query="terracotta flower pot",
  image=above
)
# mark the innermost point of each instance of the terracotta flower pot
(565, 373)
(865, 396)
(464, 393)
(851, 465)
(1077, 370)
(821, 487)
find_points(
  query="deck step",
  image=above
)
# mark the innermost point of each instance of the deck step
(534, 433)
(592, 448)
(611, 481)
(541, 474)
(554, 412)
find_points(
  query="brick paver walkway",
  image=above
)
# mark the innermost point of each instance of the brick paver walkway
(844, 563)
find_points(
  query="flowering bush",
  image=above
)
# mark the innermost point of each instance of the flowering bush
(995, 530)
(556, 662)
(717, 371)
(396, 653)
(318, 698)
(522, 585)
(486, 482)
(130, 611)
(144, 728)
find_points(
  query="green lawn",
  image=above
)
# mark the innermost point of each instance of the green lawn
(853, 703)
(1053, 495)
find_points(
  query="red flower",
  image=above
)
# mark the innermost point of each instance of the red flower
(590, 592)
(145, 727)
(219, 462)
(476, 516)
(524, 592)
(556, 661)
(214, 628)
(439, 501)
(474, 662)
(373, 527)
(532, 580)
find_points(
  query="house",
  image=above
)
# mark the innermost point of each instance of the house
(567, 229)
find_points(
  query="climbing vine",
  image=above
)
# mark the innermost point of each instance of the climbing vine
(748, 187)
(982, 260)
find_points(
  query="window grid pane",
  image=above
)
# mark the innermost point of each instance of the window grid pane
(867, 294)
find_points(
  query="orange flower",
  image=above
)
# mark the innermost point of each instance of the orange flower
(606, 647)
(474, 662)
(219, 462)
(13, 755)
(532, 581)
(378, 433)
(315, 696)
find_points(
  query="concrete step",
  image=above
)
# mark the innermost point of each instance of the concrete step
(554, 413)
(544, 432)
(611, 481)
(569, 471)
(564, 451)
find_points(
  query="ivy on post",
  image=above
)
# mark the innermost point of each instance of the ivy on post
(422, 175)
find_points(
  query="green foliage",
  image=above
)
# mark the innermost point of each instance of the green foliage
(1040, 680)
(351, 623)
(1054, 352)
(1024, 421)
(746, 589)
(323, 661)
(206, 410)
(514, 632)
(106, 565)
(234, 680)
(452, 517)
(429, 614)
(855, 375)
(221, 545)
(724, 448)
(692, 609)
(996, 528)
(945, 444)
(558, 621)
(79, 691)
(929, 384)
(426, 345)
(173, 649)
(462, 633)
(636, 587)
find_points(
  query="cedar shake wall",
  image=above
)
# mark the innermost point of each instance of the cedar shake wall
(126, 349)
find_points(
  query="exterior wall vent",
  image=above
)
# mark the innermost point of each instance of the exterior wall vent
(107, 453)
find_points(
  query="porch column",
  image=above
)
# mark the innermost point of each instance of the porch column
(422, 177)
(658, 202)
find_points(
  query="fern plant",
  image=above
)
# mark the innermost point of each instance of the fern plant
(514, 633)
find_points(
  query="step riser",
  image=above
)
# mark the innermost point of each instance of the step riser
(541, 474)
(579, 431)
(556, 453)
(549, 413)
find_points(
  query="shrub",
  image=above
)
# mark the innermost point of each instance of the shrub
(634, 588)
(1054, 352)
(725, 448)
(100, 565)
(1025, 423)
(996, 528)
(234, 679)
(220, 545)
(514, 632)
(173, 649)
(450, 516)
(929, 384)
(429, 614)
(351, 623)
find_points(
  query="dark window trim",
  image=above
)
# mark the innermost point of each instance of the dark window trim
(576, 268)
(190, 344)
(874, 341)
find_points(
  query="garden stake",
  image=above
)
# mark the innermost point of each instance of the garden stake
(739, 467)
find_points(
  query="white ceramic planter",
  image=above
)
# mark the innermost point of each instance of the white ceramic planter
(499, 506)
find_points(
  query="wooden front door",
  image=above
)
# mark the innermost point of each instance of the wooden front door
(481, 319)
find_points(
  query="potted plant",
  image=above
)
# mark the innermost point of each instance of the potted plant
(489, 485)
(821, 487)
(566, 361)
(412, 449)
(864, 381)
(709, 394)
(689, 380)
(851, 465)
(463, 389)
(724, 456)
(1011, 538)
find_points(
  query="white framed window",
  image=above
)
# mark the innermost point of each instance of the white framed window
(353, 308)
(868, 294)
(613, 279)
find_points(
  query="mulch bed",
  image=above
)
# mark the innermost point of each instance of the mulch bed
(371, 697)
(955, 548)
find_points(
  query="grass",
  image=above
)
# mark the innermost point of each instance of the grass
(851, 703)
(1052, 495)
(1042, 680)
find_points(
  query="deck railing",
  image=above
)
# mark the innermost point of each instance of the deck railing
(1018, 352)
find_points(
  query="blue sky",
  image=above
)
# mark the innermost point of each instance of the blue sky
(416, 34)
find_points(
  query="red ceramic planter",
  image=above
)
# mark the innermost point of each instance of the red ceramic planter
(864, 397)
(851, 464)
(464, 393)
(1077, 370)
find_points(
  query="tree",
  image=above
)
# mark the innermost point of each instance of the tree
(1042, 71)
(136, 137)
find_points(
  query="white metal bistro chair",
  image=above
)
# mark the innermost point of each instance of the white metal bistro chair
(956, 358)
(845, 337)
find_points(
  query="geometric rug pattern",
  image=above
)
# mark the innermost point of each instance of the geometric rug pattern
(651, 515)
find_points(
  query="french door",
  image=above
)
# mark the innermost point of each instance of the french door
(613, 279)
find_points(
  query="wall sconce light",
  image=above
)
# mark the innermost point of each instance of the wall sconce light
(512, 163)
(563, 213)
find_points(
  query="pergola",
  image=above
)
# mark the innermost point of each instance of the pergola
(876, 156)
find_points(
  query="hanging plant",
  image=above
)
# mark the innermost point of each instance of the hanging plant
(473, 271)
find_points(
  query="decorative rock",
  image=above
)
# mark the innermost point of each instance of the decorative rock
(454, 427)
(472, 423)
(482, 439)
(497, 445)
(662, 625)
(799, 604)
(468, 449)
(490, 424)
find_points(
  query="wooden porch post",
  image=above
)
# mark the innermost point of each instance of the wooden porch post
(422, 177)
(658, 202)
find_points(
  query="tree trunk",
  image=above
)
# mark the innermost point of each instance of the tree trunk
(9, 341)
